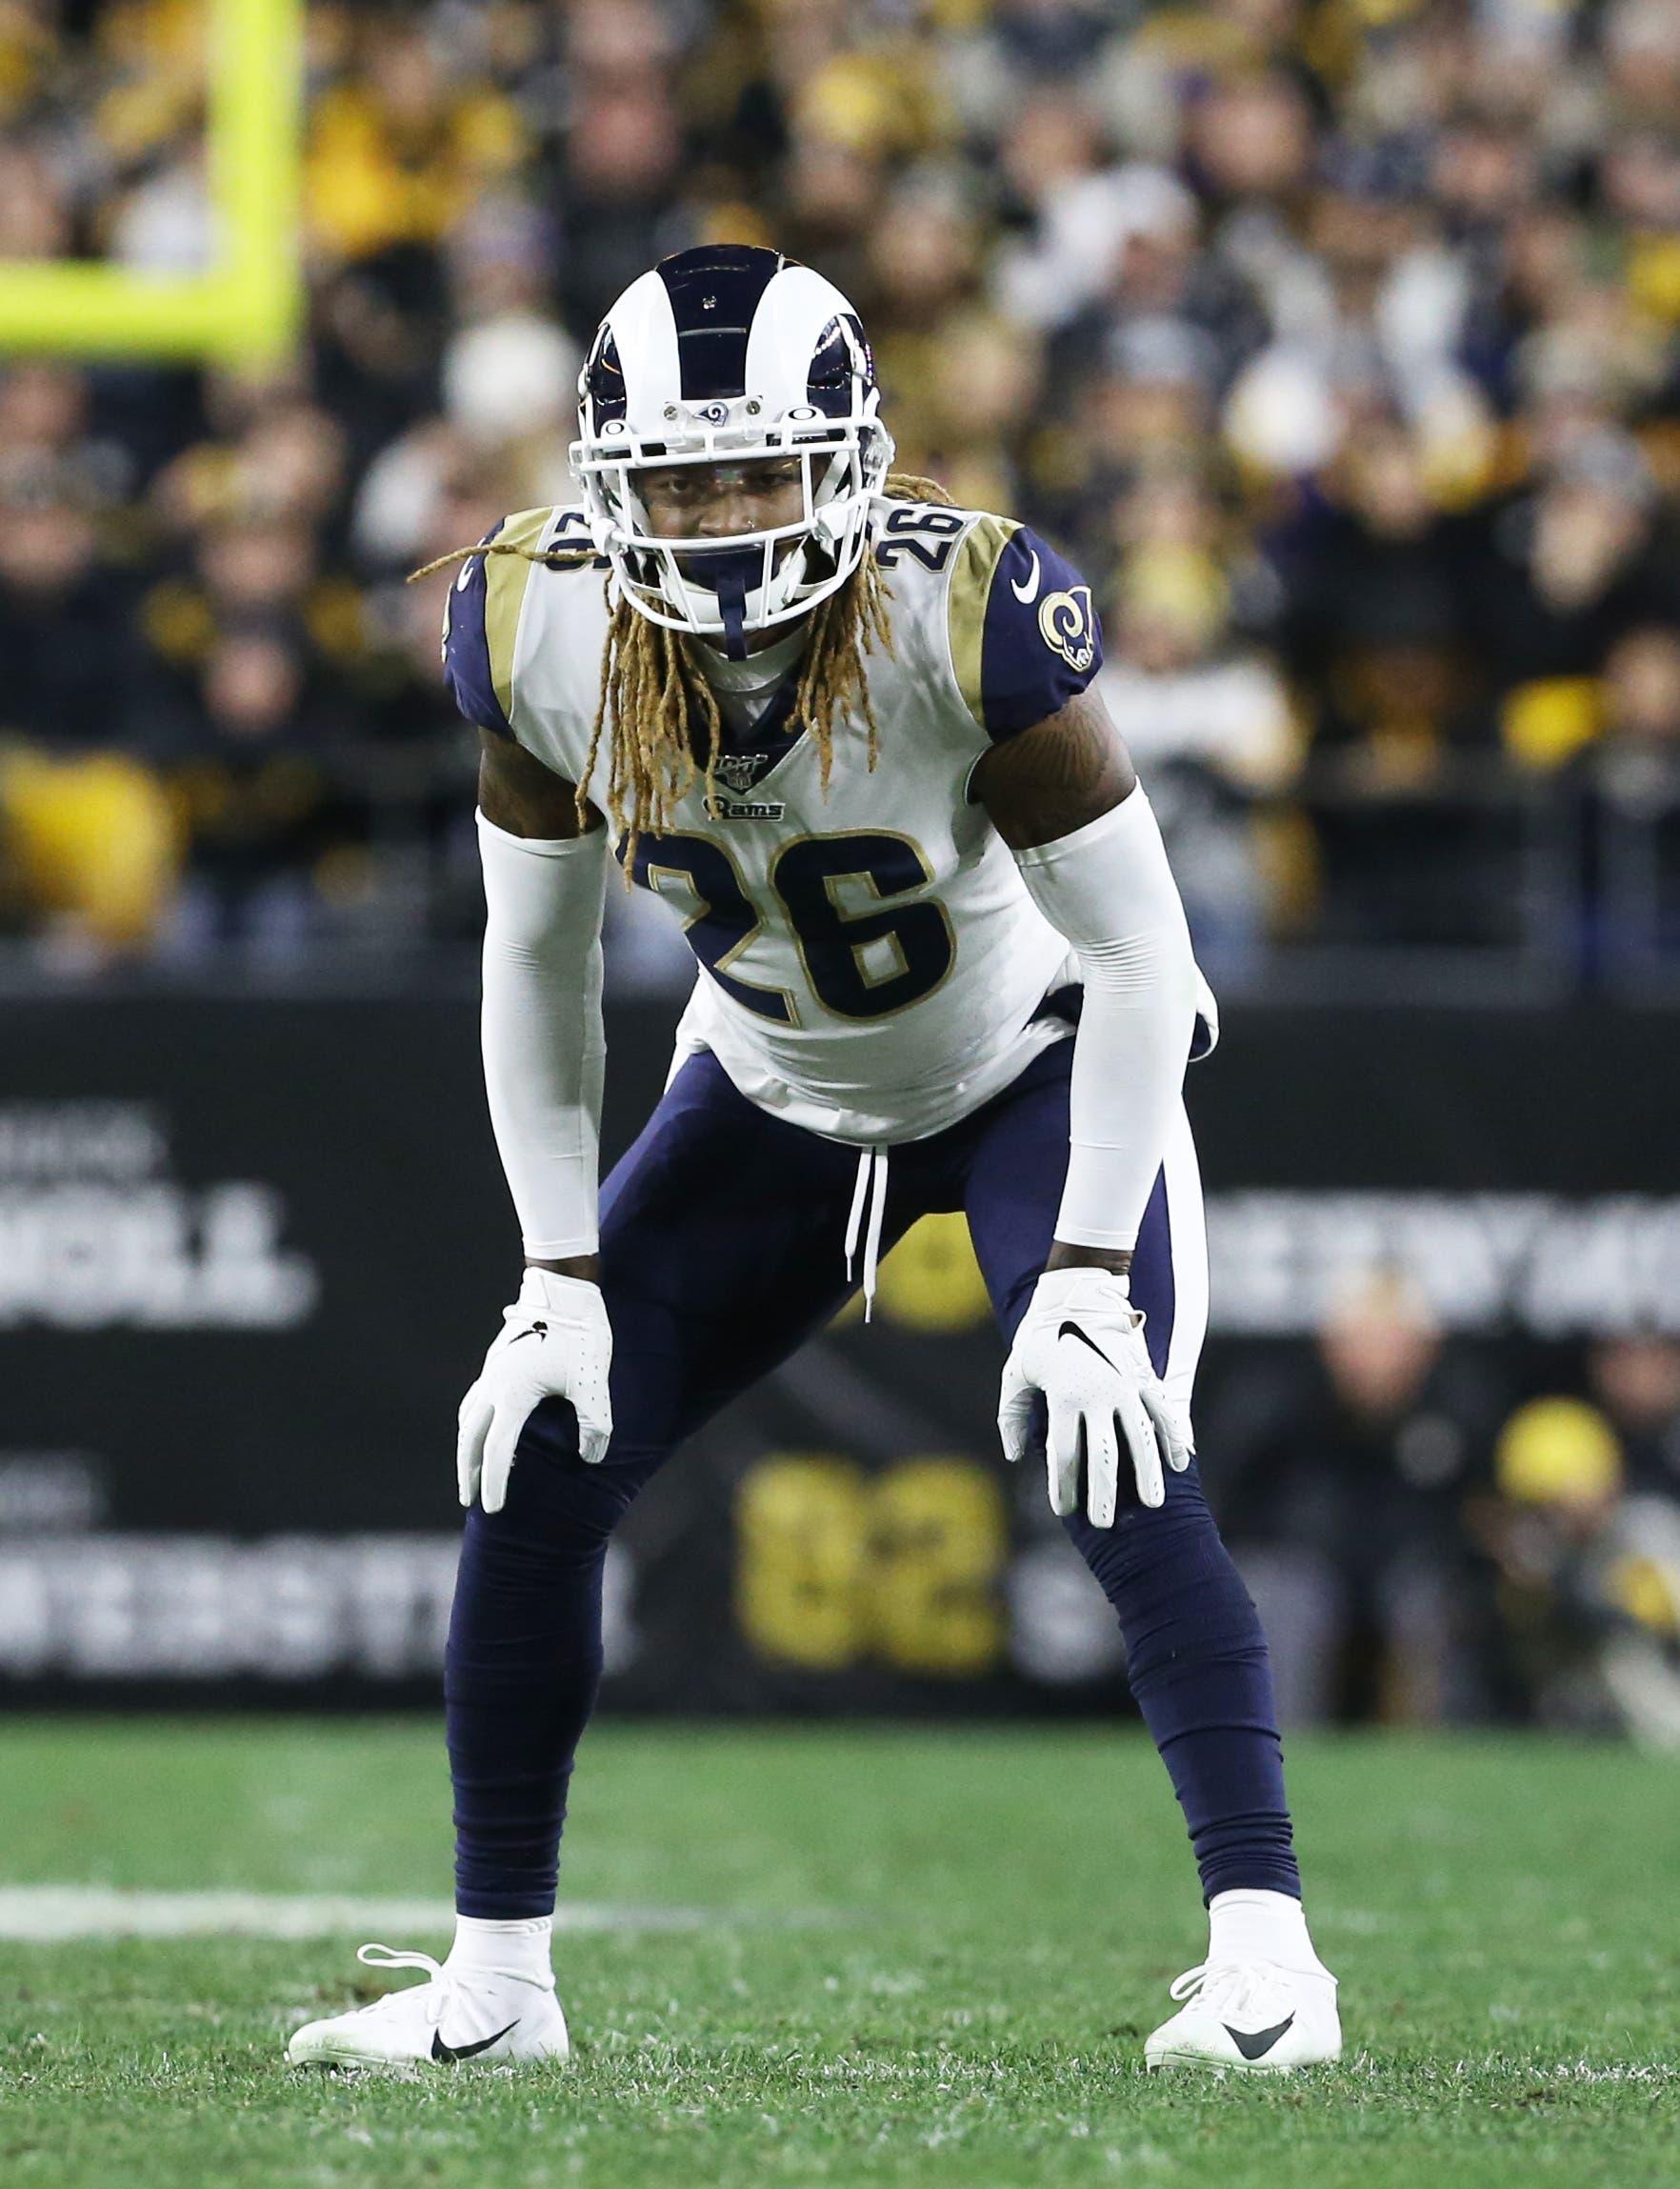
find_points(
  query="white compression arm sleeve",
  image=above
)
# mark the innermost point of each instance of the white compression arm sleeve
(1107, 888)
(543, 1048)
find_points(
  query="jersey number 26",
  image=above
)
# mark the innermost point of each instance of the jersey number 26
(863, 961)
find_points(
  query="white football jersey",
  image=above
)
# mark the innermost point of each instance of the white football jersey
(872, 967)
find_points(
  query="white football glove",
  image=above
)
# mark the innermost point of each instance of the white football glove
(1081, 1343)
(555, 1343)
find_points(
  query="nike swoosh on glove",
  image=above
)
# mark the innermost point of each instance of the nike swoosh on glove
(555, 1342)
(1081, 1343)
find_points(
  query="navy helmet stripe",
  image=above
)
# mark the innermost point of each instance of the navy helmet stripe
(714, 296)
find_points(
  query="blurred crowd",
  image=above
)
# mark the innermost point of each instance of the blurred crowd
(1339, 340)
(1427, 1545)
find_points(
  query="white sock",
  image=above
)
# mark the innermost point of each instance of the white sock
(1254, 1926)
(519, 1949)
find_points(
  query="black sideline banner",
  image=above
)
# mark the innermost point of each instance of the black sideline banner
(251, 1255)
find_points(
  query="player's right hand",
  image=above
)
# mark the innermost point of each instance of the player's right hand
(555, 1342)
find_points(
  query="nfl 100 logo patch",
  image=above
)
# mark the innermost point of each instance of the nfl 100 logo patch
(738, 772)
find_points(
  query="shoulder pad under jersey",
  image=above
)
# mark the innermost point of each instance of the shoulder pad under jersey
(481, 616)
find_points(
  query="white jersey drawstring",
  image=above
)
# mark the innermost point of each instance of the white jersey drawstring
(869, 1195)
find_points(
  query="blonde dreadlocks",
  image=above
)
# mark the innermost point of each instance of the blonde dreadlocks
(664, 719)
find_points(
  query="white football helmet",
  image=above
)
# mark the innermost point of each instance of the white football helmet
(719, 355)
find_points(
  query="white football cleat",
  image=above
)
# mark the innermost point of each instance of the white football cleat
(455, 2017)
(1252, 2017)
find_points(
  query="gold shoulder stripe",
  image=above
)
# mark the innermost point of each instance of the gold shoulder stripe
(506, 578)
(972, 574)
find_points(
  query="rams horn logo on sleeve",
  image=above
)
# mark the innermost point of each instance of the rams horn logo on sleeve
(1067, 624)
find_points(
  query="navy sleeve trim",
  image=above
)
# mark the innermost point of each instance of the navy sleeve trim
(468, 670)
(1041, 642)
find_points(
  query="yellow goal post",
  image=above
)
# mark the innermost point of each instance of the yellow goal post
(246, 308)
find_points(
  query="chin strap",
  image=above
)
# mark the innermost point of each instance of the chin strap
(730, 572)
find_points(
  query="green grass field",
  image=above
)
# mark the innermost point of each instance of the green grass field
(923, 1957)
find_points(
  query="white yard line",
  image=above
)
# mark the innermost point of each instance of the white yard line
(48, 1913)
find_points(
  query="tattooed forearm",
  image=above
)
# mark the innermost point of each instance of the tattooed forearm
(521, 795)
(1054, 778)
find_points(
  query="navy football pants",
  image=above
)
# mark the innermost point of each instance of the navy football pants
(721, 1234)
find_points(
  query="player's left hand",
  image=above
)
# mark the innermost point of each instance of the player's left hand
(1081, 1343)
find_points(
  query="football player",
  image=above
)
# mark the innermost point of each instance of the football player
(848, 732)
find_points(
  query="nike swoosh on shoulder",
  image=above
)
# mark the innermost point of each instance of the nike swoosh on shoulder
(1073, 1330)
(441, 2051)
(1027, 592)
(1256, 2044)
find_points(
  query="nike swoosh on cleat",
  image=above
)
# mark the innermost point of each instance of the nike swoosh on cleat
(1256, 2044)
(536, 1330)
(1073, 1330)
(1026, 592)
(441, 2051)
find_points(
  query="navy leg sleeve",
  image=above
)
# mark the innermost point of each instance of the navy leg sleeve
(721, 1236)
(1195, 1652)
(1196, 1659)
(522, 1664)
